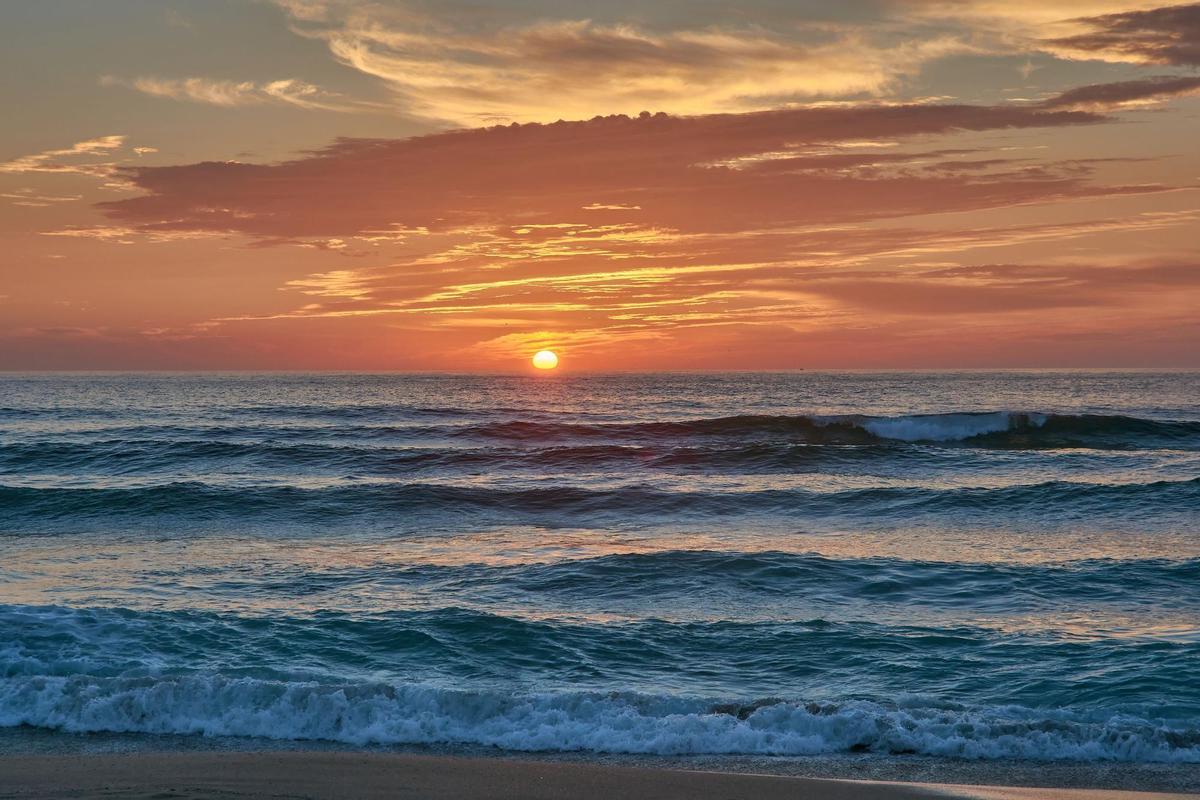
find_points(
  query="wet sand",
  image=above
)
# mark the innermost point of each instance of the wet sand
(351, 776)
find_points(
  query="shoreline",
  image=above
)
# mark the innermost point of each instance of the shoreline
(242, 775)
(1182, 779)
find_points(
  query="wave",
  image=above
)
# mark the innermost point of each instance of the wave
(604, 722)
(385, 678)
(698, 585)
(952, 585)
(1050, 500)
(1001, 430)
(165, 457)
(347, 411)
(750, 575)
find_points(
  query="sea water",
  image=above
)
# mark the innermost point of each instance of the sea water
(969, 565)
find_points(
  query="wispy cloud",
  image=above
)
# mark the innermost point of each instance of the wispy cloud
(1167, 35)
(68, 159)
(1124, 94)
(499, 64)
(1027, 13)
(120, 234)
(230, 94)
(998, 289)
(547, 69)
(33, 199)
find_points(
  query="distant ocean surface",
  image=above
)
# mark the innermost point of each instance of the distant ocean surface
(973, 565)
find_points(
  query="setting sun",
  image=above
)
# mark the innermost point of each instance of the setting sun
(545, 359)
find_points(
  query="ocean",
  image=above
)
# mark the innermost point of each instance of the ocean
(979, 566)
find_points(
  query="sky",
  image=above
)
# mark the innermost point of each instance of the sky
(453, 185)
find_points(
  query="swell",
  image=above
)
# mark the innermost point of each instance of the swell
(991, 430)
(1165, 582)
(340, 411)
(999, 430)
(122, 456)
(1052, 499)
(1140, 599)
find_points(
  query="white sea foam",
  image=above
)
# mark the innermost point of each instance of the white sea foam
(614, 723)
(948, 427)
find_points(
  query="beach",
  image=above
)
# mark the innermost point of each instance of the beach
(351, 776)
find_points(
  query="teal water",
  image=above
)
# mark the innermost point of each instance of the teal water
(981, 566)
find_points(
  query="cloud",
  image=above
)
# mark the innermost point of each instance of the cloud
(739, 277)
(124, 235)
(494, 63)
(64, 160)
(1123, 94)
(1027, 13)
(32, 199)
(665, 172)
(999, 288)
(308, 10)
(231, 94)
(1168, 35)
(546, 69)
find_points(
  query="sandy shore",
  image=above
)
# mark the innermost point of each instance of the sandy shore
(348, 776)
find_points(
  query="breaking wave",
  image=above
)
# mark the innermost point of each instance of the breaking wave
(1001, 429)
(612, 722)
(994, 430)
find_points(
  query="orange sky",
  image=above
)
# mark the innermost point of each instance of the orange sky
(337, 184)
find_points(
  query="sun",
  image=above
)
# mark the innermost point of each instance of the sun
(545, 359)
